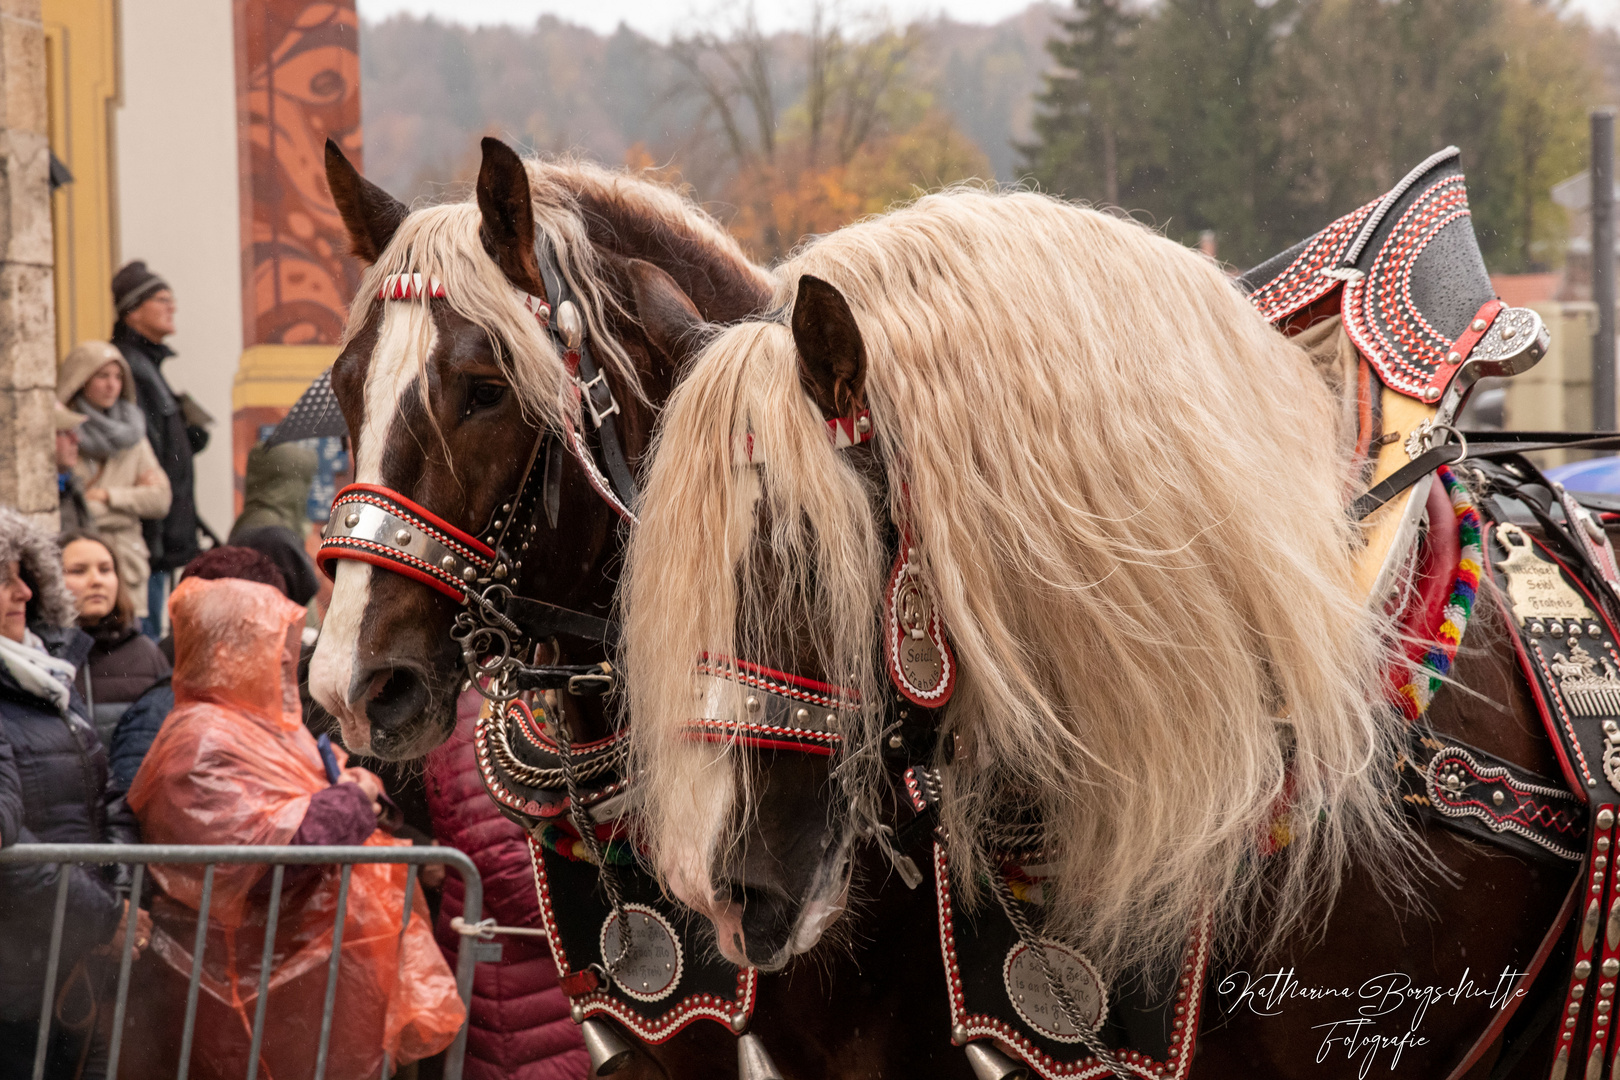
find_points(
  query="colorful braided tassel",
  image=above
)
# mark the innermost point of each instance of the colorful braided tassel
(1430, 668)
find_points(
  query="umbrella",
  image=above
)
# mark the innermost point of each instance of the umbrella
(314, 415)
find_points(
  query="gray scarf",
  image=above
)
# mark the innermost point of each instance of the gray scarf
(37, 671)
(104, 434)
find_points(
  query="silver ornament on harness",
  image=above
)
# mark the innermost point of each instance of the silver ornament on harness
(650, 968)
(608, 1052)
(569, 324)
(753, 1063)
(1036, 1003)
(988, 1063)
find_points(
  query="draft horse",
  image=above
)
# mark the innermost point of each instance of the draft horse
(500, 377)
(1014, 543)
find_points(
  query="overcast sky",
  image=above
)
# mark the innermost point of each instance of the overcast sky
(657, 18)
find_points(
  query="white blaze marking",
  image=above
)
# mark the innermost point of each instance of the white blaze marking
(395, 362)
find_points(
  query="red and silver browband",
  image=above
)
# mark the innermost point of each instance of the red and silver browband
(416, 287)
(410, 287)
(779, 711)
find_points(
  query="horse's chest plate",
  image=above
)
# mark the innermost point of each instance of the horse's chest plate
(670, 975)
(997, 991)
(1035, 1002)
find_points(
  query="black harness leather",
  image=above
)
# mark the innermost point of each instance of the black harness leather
(596, 394)
(1560, 609)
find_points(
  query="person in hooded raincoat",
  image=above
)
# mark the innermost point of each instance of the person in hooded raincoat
(124, 485)
(234, 764)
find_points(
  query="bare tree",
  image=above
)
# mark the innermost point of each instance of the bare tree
(732, 76)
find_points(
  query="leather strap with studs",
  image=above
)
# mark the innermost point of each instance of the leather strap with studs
(767, 709)
(1488, 798)
(1564, 637)
(1588, 959)
(375, 525)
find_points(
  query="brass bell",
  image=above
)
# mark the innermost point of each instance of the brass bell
(608, 1052)
(988, 1063)
(753, 1063)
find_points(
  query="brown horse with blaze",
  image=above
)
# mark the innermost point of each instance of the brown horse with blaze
(446, 396)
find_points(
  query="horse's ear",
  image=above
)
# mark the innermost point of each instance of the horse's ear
(667, 315)
(508, 228)
(832, 357)
(371, 215)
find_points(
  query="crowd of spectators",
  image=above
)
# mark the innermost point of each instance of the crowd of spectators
(149, 692)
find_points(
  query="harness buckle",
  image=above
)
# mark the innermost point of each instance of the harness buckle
(590, 685)
(609, 405)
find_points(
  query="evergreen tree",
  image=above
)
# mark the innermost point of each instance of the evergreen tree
(1209, 75)
(1085, 102)
(1262, 120)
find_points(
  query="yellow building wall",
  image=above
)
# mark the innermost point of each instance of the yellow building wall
(81, 72)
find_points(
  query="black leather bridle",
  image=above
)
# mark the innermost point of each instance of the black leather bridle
(498, 630)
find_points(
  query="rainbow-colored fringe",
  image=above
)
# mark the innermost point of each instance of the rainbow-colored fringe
(566, 842)
(1430, 668)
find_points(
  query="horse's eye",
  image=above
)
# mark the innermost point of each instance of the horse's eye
(484, 395)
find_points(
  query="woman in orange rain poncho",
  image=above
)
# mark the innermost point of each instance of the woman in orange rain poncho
(234, 764)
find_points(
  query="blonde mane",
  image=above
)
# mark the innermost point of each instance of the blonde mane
(1126, 495)
(442, 242)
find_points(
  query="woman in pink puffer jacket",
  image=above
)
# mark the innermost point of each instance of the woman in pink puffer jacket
(520, 1025)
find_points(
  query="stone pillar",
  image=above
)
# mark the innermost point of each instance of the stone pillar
(27, 306)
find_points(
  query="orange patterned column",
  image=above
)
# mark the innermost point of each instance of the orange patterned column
(297, 84)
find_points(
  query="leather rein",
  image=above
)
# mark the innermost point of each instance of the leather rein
(374, 524)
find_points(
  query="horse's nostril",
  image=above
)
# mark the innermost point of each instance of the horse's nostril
(767, 919)
(399, 696)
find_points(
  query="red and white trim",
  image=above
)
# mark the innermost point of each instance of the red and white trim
(813, 691)
(1184, 1028)
(599, 1001)
(535, 306)
(843, 432)
(410, 287)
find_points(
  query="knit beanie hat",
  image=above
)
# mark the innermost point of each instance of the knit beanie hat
(133, 286)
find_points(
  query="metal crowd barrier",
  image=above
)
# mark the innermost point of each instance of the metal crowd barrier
(470, 950)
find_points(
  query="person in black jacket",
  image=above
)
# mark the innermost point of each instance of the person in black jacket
(53, 789)
(145, 306)
(124, 663)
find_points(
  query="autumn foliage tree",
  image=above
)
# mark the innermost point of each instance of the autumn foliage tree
(856, 135)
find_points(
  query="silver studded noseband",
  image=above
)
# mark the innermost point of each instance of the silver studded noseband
(382, 527)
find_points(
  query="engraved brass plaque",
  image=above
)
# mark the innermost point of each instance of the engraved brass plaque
(1536, 588)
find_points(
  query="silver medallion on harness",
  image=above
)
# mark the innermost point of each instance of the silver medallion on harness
(1035, 1002)
(651, 969)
